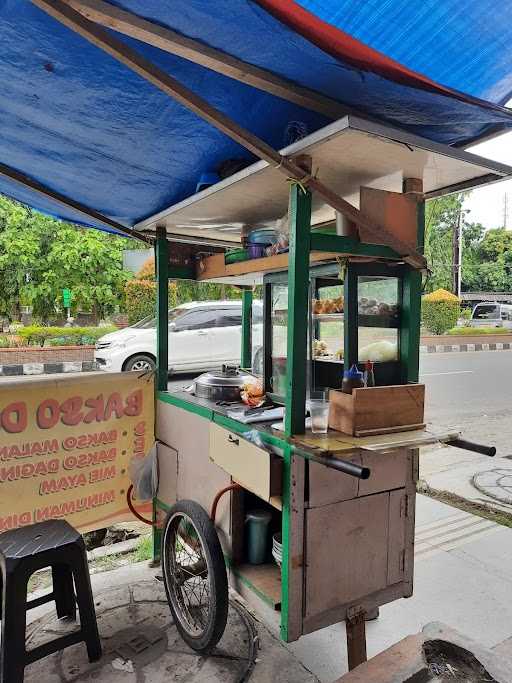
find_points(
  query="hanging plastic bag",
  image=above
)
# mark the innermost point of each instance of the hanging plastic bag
(144, 475)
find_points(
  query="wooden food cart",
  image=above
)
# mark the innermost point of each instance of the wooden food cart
(343, 502)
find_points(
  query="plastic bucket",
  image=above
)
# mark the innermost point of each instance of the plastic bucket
(256, 522)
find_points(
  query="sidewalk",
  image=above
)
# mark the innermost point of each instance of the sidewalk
(462, 578)
(142, 645)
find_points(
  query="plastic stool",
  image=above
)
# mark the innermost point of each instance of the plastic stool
(23, 551)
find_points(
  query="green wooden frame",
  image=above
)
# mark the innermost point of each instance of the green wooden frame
(302, 243)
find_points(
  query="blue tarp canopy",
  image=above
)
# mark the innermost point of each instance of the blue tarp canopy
(84, 125)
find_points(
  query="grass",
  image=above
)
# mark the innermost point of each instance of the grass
(475, 331)
(479, 509)
(144, 550)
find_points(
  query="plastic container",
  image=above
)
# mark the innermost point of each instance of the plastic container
(264, 236)
(256, 523)
(236, 255)
(352, 379)
(256, 250)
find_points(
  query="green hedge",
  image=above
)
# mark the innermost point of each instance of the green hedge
(475, 331)
(62, 336)
(440, 311)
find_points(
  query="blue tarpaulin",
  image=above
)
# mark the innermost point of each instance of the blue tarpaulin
(84, 125)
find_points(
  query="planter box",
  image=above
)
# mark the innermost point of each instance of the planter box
(377, 410)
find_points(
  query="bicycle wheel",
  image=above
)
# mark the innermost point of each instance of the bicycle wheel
(195, 576)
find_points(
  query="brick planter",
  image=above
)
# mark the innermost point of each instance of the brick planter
(52, 354)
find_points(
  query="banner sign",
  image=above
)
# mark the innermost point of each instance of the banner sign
(66, 446)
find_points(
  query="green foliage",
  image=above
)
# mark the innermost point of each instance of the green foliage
(140, 293)
(486, 255)
(39, 256)
(476, 331)
(140, 298)
(59, 336)
(440, 311)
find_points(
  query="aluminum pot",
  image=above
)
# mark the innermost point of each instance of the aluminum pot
(221, 385)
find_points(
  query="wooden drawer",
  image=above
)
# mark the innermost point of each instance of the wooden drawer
(388, 471)
(254, 468)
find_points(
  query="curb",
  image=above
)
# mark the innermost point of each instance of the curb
(450, 348)
(47, 368)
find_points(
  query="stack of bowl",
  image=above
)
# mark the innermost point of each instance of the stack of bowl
(277, 548)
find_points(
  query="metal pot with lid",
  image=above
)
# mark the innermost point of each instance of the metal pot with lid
(221, 385)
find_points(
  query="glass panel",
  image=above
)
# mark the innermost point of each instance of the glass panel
(378, 318)
(279, 325)
(257, 336)
(229, 317)
(328, 323)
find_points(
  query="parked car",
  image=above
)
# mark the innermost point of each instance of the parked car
(491, 314)
(202, 336)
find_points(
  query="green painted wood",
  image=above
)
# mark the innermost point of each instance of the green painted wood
(350, 323)
(246, 355)
(181, 272)
(351, 246)
(298, 295)
(186, 405)
(162, 308)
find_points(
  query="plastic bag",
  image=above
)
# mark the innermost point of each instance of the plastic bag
(144, 475)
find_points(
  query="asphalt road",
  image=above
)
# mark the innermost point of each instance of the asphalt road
(471, 390)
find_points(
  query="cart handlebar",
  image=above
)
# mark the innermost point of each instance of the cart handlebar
(470, 446)
(344, 466)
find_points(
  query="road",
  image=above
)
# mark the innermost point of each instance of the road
(472, 390)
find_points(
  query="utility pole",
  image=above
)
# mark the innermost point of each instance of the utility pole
(505, 210)
(457, 255)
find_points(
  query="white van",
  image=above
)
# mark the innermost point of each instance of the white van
(492, 314)
(203, 335)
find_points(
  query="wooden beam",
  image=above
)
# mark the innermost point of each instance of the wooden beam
(131, 25)
(23, 180)
(61, 11)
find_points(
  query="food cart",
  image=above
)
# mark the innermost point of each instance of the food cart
(347, 288)
(342, 501)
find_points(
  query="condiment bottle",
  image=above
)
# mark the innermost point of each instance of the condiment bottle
(369, 375)
(352, 379)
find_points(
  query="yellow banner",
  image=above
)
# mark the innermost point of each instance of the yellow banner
(66, 446)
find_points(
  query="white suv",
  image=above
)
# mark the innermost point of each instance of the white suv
(203, 335)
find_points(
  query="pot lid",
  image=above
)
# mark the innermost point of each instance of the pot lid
(229, 376)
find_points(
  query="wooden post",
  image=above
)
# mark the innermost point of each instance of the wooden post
(411, 295)
(162, 309)
(356, 639)
(246, 350)
(298, 294)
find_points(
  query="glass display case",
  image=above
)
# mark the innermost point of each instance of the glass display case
(353, 320)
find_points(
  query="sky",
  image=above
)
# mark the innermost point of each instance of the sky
(487, 204)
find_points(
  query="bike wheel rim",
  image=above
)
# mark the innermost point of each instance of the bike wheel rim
(191, 597)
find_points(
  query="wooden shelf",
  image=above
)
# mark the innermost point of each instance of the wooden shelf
(263, 579)
(364, 320)
(214, 267)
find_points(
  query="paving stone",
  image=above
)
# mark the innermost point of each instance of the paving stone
(72, 366)
(149, 590)
(11, 370)
(33, 368)
(113, 598)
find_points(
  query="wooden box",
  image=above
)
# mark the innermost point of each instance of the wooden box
(377, 410)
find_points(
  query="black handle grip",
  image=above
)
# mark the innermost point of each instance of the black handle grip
(470, 446)
(344, 466)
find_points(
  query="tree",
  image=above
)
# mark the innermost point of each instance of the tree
(40, 255)
(441, 220)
